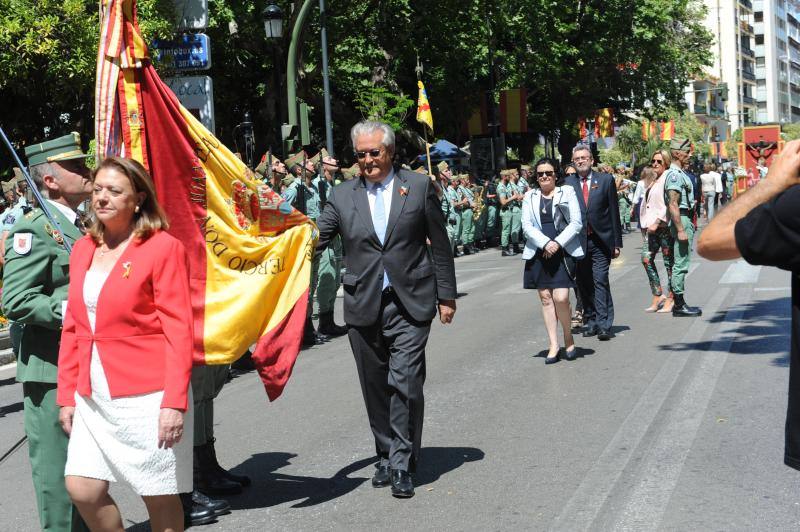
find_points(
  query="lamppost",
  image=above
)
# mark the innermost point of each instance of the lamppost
(272, 16)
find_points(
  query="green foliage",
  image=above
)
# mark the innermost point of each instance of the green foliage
(790, 131)
(614, 156)
(377, 103)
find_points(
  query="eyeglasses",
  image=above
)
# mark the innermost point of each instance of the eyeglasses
(548, 173)
(657, 161)
(372, 153)
(581, 158)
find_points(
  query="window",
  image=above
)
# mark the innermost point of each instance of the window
(758, 16)
(759, 39)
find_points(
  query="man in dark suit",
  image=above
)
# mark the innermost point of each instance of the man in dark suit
(393, 285)
(601, 238)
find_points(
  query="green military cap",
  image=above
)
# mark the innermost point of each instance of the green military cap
(64, 148)
(421, 170)
(18, 175)
(8, 186)
(288, 179)
(263, 167)
(680, 144)
(442, 166)
(350, 173)
(525, 167)
(296, 158)
(316, 158)
(506, 172)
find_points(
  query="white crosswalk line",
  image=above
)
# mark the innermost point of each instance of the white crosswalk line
(740, 272)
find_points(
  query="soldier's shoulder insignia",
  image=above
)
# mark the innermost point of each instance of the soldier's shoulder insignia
(23, 243)
(9, 219)
(673, 178)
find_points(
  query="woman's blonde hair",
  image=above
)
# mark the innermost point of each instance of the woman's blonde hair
(648, 175)
(666, 155)
(151, 216)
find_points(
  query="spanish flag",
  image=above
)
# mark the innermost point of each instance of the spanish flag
(667, 130)
(604, 123)
(424, 114)
(249, 251)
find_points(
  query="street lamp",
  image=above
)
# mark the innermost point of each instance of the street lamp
(273, 21)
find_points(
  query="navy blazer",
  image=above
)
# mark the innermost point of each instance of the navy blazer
(602, 213)
(420, 274)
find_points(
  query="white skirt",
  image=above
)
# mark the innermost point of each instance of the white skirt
(117, 440)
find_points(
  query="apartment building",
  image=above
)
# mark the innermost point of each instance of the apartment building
(777, 51)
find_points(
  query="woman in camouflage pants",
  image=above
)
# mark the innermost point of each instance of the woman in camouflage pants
(653, 219)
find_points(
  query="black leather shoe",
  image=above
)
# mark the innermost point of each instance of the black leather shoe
(328, 327)
(507, 252)
(402, 487)
(603, 335)
(590, 331)
(553, 360)
(382, 477)
(218, 506)
(685, 311)
(195, 514)
(571, 354)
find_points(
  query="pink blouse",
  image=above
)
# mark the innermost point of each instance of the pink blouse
(653, 208)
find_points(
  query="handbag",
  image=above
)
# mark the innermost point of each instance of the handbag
(570, 264)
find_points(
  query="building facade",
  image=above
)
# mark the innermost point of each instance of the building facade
(777, 49)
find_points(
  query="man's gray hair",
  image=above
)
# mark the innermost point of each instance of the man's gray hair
(37, 174)
(367, 127)
(582, 146)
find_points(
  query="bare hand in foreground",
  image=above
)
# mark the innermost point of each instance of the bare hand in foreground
(170, 427)
(785, 170)
(65, 416)
(447, 309)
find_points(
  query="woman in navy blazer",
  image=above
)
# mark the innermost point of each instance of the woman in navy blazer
(551, 221)
(126, 355)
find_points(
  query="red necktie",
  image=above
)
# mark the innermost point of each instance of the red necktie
(586, 191)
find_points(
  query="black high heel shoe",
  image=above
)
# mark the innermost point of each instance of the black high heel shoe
(571, 354)
(553, 360)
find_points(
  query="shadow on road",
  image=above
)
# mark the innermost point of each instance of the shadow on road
(8, 381)
(763, 329)
(10, 409)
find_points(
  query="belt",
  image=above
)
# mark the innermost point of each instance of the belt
(686, 212)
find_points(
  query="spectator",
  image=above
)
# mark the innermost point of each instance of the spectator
(124, 369)
(657, 236)
(763, 226)
(551, 222)
(709, 181)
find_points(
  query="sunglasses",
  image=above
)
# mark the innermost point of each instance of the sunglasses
(657, 161)
(548, 173)
(372, 153)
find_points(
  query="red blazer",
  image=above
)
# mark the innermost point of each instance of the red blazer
(143, 327)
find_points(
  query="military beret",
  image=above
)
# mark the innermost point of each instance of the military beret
(680, 144)
(442, 166)
(64, 148)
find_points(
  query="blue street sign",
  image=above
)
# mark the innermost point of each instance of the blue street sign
(186, 52)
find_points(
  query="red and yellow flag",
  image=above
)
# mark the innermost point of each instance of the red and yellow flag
(424, 114)
(249, 251)
(604, 123)
(648, 130)
(667, 130)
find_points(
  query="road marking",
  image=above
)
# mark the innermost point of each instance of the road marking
(580, 512)
(664, 461)
(772, 289)
(740, 272)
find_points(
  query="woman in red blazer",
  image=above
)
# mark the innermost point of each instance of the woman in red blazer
(126, 355)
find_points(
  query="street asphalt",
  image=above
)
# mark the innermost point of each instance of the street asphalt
(674, 424)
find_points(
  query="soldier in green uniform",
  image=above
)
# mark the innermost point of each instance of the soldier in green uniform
(304, 196)
(516, 211)
(35, 282)
(467, 215)
(680, 200)
(271, 171)
(448, 210)
(505, 196)
(330, 260)
(525, 176)
(455, 201)
(492, 211)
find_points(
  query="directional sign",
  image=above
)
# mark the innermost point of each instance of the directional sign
(196, 94)
(192, 14)
(186, 52)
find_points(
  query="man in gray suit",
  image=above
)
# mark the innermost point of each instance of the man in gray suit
(393, 286)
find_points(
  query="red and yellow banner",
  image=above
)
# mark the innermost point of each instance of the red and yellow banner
(477, 124)
(667, 130)
(514, 111)
(424, 115)
(249, 251)
(604, 123)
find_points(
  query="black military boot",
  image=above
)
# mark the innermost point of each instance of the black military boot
(206, 477)
(218, 506)
(507, 252)
(311, 336)
(516, 249)
(457, 253)
(328, 326)
(681, 309)
(195, 514)
(467, 249)
(244, 480)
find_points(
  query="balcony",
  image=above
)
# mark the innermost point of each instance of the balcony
(748, 100)
(795, 100)
(700, 109)
(746, 3)
(748, 74)
(746, 28)
(794, 34)
(748, 52)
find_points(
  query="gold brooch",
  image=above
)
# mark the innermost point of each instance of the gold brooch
(127, 267)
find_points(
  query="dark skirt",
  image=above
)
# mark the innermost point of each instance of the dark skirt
(549, 273)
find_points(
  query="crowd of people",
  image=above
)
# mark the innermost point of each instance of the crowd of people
(93, 417)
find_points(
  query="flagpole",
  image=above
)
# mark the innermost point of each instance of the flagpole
(428, 150)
